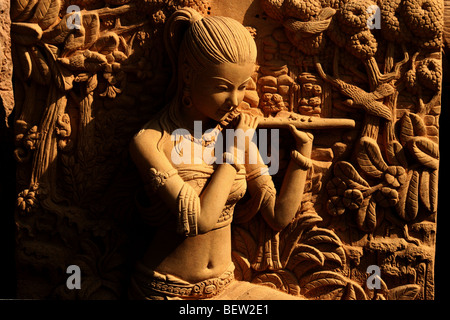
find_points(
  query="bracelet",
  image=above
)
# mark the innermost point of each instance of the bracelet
(231, 160)
(302, 161)
(158, 178)
(256, 173)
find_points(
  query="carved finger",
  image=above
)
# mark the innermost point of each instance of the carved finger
(301, 137)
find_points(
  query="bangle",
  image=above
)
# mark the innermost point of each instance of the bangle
(157, 178)
(231, 160)
(256, 173)
(302, 161)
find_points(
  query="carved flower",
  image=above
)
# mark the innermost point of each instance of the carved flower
(335, 206)
(363, 45)
(411, 81)
(395, 176)
(425, 20)
(31, 138)
(336, 188)
(424, 17)
(386, 197)
(27, 200)
(429, 73)
(159, 17)
(392, 22)
(353, 16)
(352, 199)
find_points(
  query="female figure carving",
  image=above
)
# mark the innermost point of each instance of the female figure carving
(193, 204)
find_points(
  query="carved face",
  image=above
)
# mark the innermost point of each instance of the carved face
(218, 90)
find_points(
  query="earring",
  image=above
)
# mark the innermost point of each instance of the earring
(186, 99)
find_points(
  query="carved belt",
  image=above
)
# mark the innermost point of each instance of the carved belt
(175, 287)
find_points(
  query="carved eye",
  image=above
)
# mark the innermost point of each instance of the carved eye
(222, 88)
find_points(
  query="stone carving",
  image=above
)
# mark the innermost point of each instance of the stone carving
(6, 89)
(366, 192)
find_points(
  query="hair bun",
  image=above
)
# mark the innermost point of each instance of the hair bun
(176, 26)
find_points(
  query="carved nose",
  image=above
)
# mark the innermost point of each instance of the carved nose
(232, 100)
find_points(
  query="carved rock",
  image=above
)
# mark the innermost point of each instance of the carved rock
(87, 82)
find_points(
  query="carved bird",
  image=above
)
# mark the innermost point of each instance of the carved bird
(310, 28)
(359, 98)
(298, 17)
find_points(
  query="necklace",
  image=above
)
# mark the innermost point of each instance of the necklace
(207, 138)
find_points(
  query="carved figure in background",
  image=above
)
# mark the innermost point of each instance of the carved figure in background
(192, 204)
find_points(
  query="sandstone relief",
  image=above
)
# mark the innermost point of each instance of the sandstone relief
(352, 88)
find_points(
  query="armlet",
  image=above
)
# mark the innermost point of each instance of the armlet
(158, 178)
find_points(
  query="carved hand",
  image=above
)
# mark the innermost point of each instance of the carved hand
(304, 140)
(245, 126)
(247, 122)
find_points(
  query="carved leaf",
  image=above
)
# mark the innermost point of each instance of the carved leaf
(350, 293)
(91, 24)
(244, 243)
(25, 33)
(290, 239)
(107, 43)
(411, 125)
(23, 58)
(396, 154)
(349, 175)
(40, 72)
(27, 12)
(424, 189)
(41, 10)
(303, 252)
(321, 283)
(51, 15)
(425, 151)
(17, 7)
(405, 292)
(62, 77)
(74, 40)
(321, 235)
(59, 33)
(408, 204)
(92, 83)
(433, 189)
(243, 269)
(334, 259)
(370, 159)
(412, 197)
(328, 243)
(366, 217)
(304, 268)
(282, 280)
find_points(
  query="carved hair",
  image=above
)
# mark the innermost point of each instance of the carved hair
(201, 41)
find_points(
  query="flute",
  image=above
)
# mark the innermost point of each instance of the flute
(306, 122)
(298, 120)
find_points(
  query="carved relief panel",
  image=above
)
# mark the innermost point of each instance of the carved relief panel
(363, 77)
